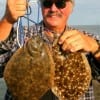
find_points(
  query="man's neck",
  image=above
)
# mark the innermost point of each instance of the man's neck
(55, 29)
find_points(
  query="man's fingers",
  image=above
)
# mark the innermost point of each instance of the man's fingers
(67, 34)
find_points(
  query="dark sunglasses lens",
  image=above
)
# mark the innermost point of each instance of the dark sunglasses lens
(58, 3)
(61, 4)
(47, 4)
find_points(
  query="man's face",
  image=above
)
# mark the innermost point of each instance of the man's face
(55, 14)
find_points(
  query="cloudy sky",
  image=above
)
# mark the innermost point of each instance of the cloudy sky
(86, 12)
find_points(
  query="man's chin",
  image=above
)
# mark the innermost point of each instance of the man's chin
(53, 23)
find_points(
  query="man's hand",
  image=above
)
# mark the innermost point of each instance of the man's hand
(15, 9)
(75, 40)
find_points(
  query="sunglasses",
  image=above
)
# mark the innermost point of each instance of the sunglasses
(59, 3)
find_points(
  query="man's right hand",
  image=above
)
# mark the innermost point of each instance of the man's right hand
(15, 9)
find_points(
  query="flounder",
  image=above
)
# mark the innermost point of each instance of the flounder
(29, 72)
(72, 75)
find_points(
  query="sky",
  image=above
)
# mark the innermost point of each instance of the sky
(85, 12)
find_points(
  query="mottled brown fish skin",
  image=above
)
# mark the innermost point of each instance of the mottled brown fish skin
(30, 71)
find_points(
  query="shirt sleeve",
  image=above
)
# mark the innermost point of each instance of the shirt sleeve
(7, 48)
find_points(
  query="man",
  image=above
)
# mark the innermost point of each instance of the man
(55, 16)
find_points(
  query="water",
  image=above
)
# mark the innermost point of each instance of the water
(94, 29)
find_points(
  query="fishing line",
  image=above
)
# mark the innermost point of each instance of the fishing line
(20, 32)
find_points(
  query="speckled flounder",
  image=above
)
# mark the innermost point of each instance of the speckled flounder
(72, 74)
(34, 69)
(30, 71)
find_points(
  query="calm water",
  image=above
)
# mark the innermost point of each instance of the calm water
(95, 29)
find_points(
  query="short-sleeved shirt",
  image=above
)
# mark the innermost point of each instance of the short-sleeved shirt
(10, 45)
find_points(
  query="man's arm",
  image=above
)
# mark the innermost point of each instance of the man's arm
(5, 28)
(97, 53)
